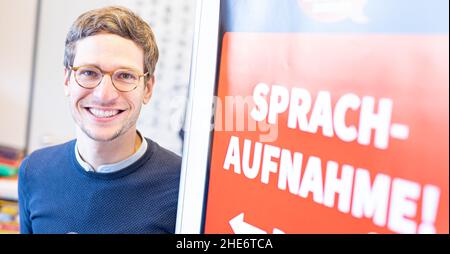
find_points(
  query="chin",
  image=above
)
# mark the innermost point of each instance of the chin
(102, 136)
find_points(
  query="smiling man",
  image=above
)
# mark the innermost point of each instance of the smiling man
(110, 179)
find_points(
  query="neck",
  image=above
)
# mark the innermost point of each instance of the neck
(97, 153)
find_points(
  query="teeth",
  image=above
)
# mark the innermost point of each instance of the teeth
(103, 113)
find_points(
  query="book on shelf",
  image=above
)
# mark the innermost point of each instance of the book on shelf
(9, 217)
(8, 171)
(10, 159)
(11, 153)
(11, 163)
(9, 188)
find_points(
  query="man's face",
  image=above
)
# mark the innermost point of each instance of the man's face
(103, 113)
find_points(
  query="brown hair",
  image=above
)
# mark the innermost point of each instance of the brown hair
(114, 20)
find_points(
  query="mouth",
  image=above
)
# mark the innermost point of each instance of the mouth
(104, 114)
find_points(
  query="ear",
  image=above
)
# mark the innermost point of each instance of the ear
(148, 89)
(66, 82)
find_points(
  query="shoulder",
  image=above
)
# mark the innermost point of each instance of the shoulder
(163, 158)
(49, 154)
(46, 157)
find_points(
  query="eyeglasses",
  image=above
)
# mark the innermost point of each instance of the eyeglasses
(123, 80)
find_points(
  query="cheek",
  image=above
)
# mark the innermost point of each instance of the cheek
(136, 101)
(76, 95)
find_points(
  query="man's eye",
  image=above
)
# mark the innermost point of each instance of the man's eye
(127, 76)
(88, 73)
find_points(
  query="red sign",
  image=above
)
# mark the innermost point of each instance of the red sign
(331, 134)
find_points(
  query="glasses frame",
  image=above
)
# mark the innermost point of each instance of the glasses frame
(110, 73)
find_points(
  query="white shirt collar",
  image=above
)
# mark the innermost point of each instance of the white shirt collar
(109, 168)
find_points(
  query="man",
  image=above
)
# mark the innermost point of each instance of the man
(110, 179)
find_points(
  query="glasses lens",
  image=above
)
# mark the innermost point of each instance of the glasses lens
(88, 76)
(125, 80)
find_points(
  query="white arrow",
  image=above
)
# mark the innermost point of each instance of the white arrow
(239, 226)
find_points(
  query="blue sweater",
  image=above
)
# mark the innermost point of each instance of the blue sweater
(56, 195)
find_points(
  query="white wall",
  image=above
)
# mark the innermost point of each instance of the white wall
(17, 21)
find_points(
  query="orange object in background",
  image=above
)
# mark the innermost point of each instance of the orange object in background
(359, 141)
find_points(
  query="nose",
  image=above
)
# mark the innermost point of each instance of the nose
(105, 91)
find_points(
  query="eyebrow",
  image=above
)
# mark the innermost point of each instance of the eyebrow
(119, 67)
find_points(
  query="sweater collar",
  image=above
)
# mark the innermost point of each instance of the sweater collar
(113, 167)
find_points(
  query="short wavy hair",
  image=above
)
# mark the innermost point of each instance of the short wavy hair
(114, 20)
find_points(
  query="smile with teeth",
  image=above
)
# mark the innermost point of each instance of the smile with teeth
(104, 113)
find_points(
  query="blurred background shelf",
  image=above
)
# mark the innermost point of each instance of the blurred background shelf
(10, 159)
(8, 189)
(9, 217)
